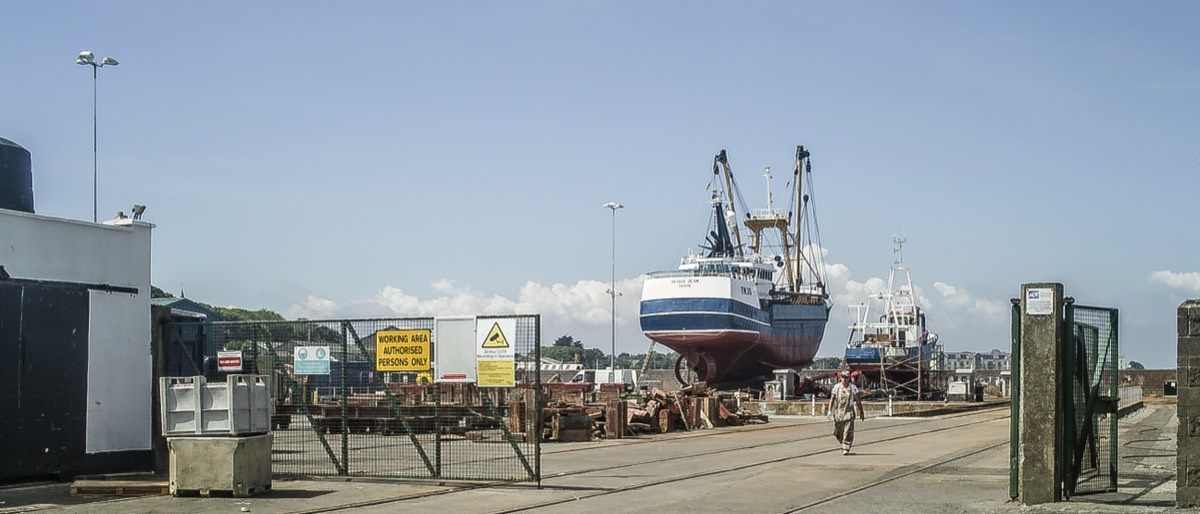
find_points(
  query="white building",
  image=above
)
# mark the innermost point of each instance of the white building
(994, 360)
(75, 352)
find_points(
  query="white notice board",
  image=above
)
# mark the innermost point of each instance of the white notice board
(454, 349)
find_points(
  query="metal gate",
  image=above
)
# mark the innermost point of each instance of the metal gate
(357, 421)
(1088, 395)
(1089, 400)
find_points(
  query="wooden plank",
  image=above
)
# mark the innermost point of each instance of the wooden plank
(120, 487)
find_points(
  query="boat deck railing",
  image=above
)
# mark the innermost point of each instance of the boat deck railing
(688, 273)
(766, 214)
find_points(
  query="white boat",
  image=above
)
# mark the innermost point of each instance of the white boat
(889, 342)
(734, 314)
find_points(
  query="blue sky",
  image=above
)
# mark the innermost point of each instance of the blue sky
(368, 159)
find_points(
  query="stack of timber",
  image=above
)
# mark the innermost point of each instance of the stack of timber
(568, 423)
(657, 412)
(691, 408)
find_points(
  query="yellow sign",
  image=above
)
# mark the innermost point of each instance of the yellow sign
(402, 350)
(496, 373)
(495, 338)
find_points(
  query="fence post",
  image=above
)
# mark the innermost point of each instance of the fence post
(1187, 458)
(1040, 426)
(1014, 392)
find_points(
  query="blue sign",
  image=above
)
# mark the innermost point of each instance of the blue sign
(311, 360)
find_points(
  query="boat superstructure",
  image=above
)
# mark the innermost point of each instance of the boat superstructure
(735, 314)
(889, 343)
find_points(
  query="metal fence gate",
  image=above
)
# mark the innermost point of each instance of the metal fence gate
(357, 421)
(1090, 396)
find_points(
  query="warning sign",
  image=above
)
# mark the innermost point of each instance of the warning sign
(497, 373)
(495, 338)
(229, 361)
(496, 341)
(495, 353)
(402, 350)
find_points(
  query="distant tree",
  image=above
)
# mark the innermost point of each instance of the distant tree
(239, 314)
(1136, 365)
(658, 360)
(593, 358)
(567, 340)
(159, 293)
(560, 353)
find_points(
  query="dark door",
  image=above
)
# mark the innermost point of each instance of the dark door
(43, 378)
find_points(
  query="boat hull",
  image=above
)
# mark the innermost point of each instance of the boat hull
(729, 342)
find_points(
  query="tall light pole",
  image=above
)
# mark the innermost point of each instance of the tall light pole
(612, 289)
(87, 59)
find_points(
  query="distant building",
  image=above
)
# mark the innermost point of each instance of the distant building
(549, 364)
(188, 306)
(993, 360)
(959, 360)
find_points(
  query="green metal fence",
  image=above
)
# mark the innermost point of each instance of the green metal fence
(354, 420)
(1014, 444)
(1090, 398)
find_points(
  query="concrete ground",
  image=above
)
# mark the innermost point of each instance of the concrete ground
(946, 464)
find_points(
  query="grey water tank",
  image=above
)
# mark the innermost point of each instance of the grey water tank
(16, 177)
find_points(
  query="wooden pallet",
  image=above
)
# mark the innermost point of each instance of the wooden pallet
(120, 487)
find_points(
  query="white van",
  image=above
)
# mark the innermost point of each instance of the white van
(606, 376)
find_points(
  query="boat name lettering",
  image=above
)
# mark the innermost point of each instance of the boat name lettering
(685, 280)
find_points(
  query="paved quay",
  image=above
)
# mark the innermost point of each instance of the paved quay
(944, 464)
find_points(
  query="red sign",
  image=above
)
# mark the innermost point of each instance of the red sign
(229, 361)
(453, 376)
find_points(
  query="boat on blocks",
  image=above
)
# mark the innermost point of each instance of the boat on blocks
(735, 313)
(889, 343)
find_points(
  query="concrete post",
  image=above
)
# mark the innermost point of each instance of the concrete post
(1038, 464)
(1187, 457)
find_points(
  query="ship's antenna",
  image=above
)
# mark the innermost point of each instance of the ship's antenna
(767, 173)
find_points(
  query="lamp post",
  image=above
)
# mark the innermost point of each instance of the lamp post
(612, 289)
(86, 58)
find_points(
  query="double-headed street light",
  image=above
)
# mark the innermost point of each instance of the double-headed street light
(612, 289)
(88, 59)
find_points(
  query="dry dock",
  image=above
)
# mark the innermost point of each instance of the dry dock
(940, 464)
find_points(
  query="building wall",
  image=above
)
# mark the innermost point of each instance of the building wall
(117, 254)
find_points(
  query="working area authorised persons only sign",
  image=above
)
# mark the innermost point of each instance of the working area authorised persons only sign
(402, 350)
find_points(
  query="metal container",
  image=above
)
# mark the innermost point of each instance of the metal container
(16, 177)
(193, 407)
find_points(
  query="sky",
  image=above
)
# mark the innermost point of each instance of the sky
(395, 159)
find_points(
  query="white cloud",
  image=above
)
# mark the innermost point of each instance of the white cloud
(581, 309)
(314, 307)
(1187, 281)
(957, 309)
(454, 301)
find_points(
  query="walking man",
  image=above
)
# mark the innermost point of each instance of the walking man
(842, 398)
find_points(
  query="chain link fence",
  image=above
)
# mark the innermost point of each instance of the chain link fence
(345, 417)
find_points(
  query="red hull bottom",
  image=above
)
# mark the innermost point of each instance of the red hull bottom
(729, 357)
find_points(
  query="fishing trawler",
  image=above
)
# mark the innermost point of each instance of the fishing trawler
(889, 343)
(735, 314)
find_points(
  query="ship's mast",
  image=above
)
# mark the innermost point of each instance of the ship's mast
(801, 156)
(770, 219)
(723, 160)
